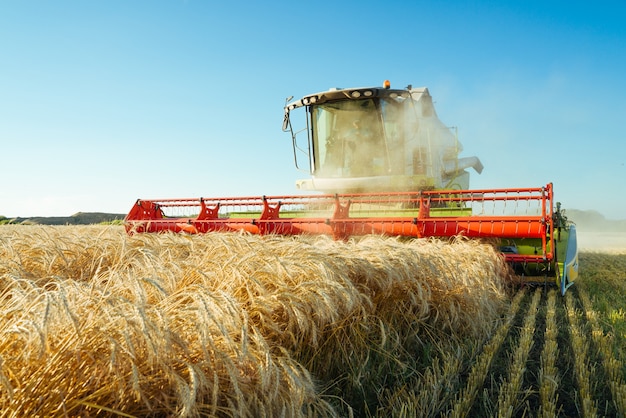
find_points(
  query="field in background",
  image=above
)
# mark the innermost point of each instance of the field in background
(95, 322)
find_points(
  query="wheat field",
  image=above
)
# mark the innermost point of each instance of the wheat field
(97, 323)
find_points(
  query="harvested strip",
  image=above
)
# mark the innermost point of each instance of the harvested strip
(430, 395)
(582, 370)
(510, 389)
(548, 374)
(612, 366)
(477, 376)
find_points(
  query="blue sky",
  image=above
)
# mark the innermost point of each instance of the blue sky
(103, 102)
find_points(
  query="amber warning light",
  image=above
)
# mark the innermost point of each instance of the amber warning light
(386, 84)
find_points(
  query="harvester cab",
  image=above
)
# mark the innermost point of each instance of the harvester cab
(383, 163)
(375, 139)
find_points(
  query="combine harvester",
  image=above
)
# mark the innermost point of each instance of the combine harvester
(383, 163)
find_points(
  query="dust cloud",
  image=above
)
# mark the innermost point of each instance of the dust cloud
(602, 241)
(597, 234)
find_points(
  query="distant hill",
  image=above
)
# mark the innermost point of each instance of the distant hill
(80, 218)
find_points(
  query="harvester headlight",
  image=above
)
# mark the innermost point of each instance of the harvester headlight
(305, 101)
(355, 94)
(313, 99)
(367, 93)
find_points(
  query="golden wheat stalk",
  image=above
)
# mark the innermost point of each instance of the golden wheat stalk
(227, 324)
